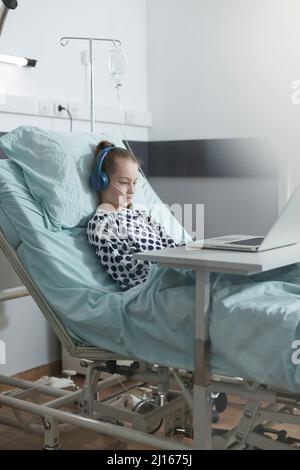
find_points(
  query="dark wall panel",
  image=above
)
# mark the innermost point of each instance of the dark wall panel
(206, 158)
(203, 158)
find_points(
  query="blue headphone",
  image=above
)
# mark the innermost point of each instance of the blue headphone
(99, 179)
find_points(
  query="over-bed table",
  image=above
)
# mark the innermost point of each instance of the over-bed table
(203, 262)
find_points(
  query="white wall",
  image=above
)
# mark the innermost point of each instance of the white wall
(224, 212)
(221, 68)
(33, 30)
(224, 69)
(28, 338)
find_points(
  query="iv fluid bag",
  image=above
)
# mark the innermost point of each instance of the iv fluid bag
(117, 65)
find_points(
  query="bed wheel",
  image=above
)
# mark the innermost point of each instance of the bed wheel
(220, 402)
(146, 406)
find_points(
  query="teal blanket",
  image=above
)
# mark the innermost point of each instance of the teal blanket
(255, 327)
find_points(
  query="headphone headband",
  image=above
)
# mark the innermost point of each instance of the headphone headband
(99, 179)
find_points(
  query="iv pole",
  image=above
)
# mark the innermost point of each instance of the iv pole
(64, 41)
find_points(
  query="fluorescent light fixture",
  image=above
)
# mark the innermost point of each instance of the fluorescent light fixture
(21, 61)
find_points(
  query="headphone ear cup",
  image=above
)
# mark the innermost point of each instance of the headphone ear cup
(99, 179)
(94, 182)
(103, 180)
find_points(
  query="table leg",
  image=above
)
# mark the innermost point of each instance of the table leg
(201, 395)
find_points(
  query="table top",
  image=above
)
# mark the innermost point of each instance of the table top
(236, 262)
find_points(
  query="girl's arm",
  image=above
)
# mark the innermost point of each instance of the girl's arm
(117, 259)
(161, 230)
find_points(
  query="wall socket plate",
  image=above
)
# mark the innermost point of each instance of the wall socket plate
(45, 108)
(84, 57)
(73, 108)
(129, 117)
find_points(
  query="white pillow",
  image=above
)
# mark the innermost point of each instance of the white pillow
(56, 169)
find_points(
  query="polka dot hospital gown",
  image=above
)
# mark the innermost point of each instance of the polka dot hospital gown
(117, 235)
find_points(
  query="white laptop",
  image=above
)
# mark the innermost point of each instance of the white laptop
(285, 231)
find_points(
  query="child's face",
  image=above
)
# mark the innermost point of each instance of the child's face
(122, 183)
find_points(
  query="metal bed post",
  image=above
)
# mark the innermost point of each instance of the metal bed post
(201, 393)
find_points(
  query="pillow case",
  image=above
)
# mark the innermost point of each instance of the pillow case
(56, 169)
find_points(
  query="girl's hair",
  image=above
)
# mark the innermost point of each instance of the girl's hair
(110, 160)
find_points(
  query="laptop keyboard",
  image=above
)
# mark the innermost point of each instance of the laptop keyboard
(251, 242)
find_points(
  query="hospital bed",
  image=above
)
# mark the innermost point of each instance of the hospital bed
(121, 326)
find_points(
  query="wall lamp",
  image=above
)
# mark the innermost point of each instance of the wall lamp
(21, 61)
(5, 7)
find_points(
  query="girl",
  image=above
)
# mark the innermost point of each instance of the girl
(117, 230)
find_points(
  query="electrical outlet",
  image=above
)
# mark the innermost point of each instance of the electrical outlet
(55, 108)
(45, 107)
(129, 117)
(73, 108)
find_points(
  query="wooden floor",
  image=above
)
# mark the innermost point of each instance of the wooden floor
(14, 439)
